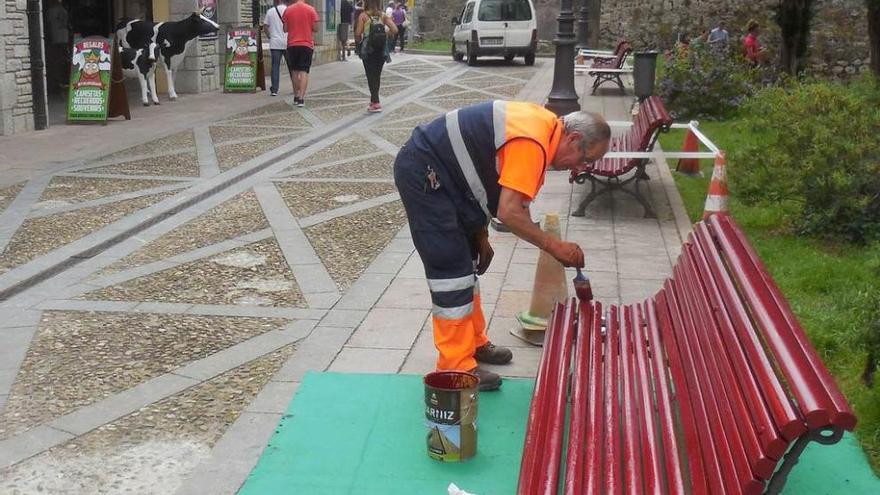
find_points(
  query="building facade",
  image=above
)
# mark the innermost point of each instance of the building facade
(200, 71)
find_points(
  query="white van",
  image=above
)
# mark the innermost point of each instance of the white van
(505, 28)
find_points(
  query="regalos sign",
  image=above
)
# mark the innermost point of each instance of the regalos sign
(241, 60)
(89, 80)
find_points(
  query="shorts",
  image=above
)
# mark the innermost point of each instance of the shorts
(299, 58)
(342, 32)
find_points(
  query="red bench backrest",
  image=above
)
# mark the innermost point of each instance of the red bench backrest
(743, 413)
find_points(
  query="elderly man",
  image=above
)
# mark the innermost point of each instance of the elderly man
(460, 170)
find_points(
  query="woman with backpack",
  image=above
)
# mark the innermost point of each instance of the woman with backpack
(371, 35)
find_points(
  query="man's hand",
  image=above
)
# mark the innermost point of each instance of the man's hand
(567, 253)
(485, 253)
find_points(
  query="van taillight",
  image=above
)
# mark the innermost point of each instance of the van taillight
(474, 36)
(534, 35)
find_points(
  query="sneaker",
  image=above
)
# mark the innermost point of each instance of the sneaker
(374, 108)
(492, 354)
(489, 381)
(300, 102)
(274, 93)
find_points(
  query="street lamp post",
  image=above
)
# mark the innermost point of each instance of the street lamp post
(583, 26)
(563, 98)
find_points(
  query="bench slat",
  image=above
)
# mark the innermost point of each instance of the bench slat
(666, 423)
(549, 474)
(698, 326)
(807, 377)
(730, 393)
(578, 429)
(533, 449)
(632, 449)
(645, 398)
(705, 432)
(764, 395)
(819, 381)
(612, 434)
(596, 406)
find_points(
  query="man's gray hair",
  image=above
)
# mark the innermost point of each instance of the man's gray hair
(591, 126)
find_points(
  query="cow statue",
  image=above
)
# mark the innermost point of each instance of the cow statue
(143, 43)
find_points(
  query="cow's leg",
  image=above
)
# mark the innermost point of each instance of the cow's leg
(153, 92)
(143, 81)
(169, 74)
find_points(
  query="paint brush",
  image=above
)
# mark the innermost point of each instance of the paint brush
(582, 287)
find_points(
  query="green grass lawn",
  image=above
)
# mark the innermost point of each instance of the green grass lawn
(830, 285)
(444, 47)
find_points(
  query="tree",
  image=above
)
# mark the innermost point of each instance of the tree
(793, 18)
(874, 34)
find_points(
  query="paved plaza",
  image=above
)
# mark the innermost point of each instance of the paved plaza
(164, 292)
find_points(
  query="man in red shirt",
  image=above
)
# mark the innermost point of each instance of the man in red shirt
(300, 24)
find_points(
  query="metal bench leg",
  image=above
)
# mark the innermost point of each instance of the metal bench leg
(619, 82)
(828, 436)
(649, 212)
(595, 192)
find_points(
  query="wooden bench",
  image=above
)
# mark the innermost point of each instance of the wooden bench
(604, 70)
(601, 56)
(703, 388)
(605, 175)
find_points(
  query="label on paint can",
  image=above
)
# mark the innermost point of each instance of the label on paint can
(450, 421)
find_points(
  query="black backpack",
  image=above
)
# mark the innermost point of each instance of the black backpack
(376, 37)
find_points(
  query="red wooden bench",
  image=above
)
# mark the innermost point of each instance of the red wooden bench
(604, 70)
(595, 56)
(605, 175)
(703, 388)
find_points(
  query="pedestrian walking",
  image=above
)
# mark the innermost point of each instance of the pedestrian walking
(372, 38)
(398, 15)
(274, 27)
(389, 8)
(454, 174)
(342, 30)
(300, 24)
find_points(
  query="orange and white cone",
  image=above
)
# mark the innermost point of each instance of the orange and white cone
(550, 285)
(689, 166)
(716, 200)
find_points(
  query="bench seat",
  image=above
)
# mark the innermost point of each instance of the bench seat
(708, 387)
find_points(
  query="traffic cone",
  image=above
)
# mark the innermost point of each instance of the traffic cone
(550, 287)
(689, 166)
(716, 200)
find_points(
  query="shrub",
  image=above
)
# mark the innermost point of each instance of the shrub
(819, 150)
(705, 83)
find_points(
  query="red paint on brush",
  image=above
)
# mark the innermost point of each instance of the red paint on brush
(582, 286)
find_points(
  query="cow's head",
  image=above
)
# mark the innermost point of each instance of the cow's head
(201, 25)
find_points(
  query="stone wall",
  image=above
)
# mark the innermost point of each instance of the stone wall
(16, 114)
(838, 44)
(838, 41)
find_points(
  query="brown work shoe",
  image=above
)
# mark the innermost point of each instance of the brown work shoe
(492, 354)
(489, 381)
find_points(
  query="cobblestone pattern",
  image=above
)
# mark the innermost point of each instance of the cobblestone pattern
(152, 450)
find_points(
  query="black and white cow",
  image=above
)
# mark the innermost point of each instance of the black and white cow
(165, 41)
(140, 63)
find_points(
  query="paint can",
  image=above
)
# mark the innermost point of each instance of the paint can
(451, 400)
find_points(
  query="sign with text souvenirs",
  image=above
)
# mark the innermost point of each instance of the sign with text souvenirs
(241, 60)
(89, 80)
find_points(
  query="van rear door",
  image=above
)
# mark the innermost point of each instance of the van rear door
(490, 27)
(519, 21)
